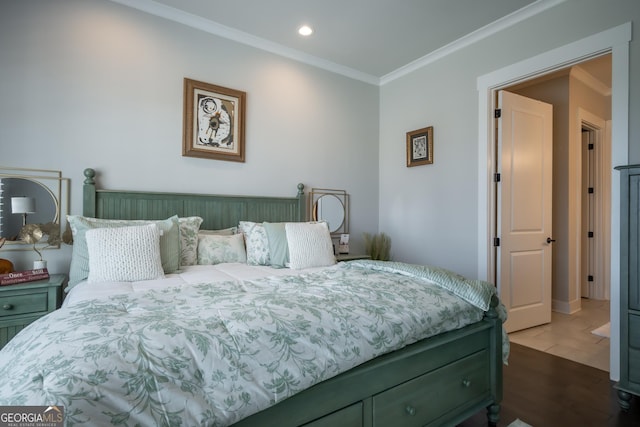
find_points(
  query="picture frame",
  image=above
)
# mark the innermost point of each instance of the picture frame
(213, 123)
(420, 147)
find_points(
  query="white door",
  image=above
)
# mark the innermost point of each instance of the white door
(525, 144)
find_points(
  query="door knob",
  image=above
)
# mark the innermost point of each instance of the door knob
(550, 240)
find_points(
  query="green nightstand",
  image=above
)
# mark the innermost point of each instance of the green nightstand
(23, 303)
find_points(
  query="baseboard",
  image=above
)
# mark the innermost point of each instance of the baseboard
(566, 307)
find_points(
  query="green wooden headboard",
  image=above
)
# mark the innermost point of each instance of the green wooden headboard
(218, 211)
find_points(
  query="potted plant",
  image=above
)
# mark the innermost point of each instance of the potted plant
(378, 246)
(33, 233)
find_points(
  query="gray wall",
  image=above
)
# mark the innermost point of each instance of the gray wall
(91, 83)
(431, 212)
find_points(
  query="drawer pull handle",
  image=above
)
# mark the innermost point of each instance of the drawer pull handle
(410, 410)
(466, 383)
(7, 307)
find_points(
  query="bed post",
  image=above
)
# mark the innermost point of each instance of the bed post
(302, 206)
(89, 193)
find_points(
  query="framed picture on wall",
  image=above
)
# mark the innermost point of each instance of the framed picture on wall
(213, 124)
(420, 147)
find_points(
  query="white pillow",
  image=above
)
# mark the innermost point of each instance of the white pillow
(217, 248)
(124, 254)
(79, 269)
(310, 245)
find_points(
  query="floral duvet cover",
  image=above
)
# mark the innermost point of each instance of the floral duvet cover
(214, 353)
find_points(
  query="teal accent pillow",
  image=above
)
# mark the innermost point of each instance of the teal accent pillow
(278, 247)
(169, 243)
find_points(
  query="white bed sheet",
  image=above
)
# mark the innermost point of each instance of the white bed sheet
(188, 275)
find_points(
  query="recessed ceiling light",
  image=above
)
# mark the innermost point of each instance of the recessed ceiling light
(305, 30)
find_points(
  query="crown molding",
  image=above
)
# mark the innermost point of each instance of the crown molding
(590, 80)
(170, 13)
(471, 38)
(212, 27)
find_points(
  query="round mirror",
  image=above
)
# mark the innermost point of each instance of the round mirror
(24, 200)
(329, 208)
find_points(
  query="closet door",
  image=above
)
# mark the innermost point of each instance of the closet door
(629, 285)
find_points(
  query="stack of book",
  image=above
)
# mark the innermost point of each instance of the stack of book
(24, 276)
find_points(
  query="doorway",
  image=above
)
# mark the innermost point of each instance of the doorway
(581, 200)
(615, 41)
(596, 206)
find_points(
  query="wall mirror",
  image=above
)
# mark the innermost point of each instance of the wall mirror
(31, 196)
(331, 206)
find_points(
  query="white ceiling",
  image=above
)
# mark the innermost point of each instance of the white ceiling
(371, 40)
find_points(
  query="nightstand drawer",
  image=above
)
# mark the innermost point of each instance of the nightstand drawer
(24, 303)
(15, 305)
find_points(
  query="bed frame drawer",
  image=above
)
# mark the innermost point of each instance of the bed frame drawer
(423, 400)
(350, 416)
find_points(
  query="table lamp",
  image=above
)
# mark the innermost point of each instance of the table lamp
(24, 206)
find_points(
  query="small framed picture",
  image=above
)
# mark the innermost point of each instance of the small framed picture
(213, 121)
(420, 147)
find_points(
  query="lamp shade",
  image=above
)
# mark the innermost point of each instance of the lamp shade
(22, 205)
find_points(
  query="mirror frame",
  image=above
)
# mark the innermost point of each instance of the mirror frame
(57, 186)
(316, 193)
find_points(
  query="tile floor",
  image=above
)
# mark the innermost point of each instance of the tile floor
(570, 337)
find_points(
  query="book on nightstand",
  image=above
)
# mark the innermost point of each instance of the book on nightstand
(24, 276)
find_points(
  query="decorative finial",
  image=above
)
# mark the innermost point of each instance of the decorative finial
(90, 175)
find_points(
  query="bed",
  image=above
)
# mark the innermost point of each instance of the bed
(224, 340)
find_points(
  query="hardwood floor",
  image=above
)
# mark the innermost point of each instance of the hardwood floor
(544, 390)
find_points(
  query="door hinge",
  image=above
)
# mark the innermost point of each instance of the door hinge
(497, 113)
(590, 234)
(590, 278)
(496, 241)
(496, 177)
(590, 190)
(591, 146)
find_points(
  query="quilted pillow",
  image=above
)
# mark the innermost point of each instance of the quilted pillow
(256, 242)
(216, 249)
(124, 254)
(79, 269)
(310, 245)
(189, 227)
